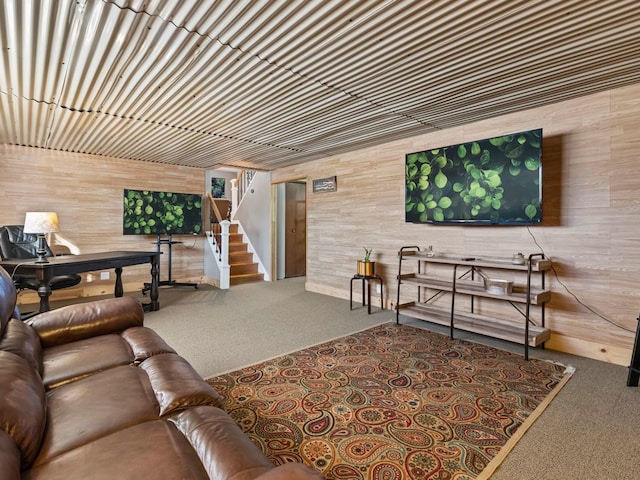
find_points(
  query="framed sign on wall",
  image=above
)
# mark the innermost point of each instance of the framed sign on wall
(217, 187)
(328, 184)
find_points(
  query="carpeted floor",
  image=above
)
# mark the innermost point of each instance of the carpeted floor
(390, 402)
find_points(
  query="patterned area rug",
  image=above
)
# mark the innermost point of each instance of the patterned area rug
(391, 402)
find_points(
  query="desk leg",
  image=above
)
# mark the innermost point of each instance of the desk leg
(118, 290)
(368, 296)
(44, 291)
(155, 281)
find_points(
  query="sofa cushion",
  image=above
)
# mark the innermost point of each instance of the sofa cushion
(22, 405)
(71, 361)
(22, 340)
(9, 458)
(95, 406)
(85, 320)
(74, 360)
(176, 384)
(149, 450)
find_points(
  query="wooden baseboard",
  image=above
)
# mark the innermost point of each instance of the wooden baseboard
(325, 290)
(95, 289)
(344, 294)
(588, 349)
(211, 281)
(27, 297)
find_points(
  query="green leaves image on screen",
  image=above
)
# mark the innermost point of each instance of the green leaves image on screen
(148, 213)
(496, 180)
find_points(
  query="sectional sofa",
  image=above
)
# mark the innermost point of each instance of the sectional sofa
(87, 391)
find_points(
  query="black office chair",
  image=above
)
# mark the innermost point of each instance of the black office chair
(17, 245)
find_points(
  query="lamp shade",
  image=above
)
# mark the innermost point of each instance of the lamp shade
(41, 222)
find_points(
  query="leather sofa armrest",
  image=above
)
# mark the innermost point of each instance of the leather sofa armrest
(81, 321)
(9, 458)
(176, 384)
(226, 452)
(291, 471)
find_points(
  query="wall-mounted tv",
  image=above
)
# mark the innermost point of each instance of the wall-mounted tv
(158, 213)
(492, 181)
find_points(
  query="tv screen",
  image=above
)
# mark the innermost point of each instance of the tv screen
(149, 213)
(492, 181)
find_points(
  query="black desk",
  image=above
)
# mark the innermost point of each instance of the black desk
(69, 264)
(368, 279)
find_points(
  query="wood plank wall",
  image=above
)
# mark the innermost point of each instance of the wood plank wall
(86, 191)
(591, 208)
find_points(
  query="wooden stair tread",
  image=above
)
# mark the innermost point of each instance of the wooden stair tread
(240, 257)
(243, 268)
(246, 278)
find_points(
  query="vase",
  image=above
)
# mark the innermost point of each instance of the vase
(366, 269)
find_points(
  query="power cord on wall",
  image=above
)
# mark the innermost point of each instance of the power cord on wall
(580, 302)
(15, 269)
(189, 247)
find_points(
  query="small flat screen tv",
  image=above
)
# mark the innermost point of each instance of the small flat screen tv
(495, 181)
(160, 213)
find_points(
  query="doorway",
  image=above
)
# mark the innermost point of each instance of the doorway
(291, 236)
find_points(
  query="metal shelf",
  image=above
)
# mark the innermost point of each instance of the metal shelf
(468, 287)
(526, 332)
(473, 322)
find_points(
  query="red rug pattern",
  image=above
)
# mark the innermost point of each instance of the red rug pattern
(391, 402)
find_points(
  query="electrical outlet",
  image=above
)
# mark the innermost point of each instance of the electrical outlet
(378, 288)
(104, 275)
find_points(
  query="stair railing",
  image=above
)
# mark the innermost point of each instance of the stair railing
(239, 187)
(220, 240)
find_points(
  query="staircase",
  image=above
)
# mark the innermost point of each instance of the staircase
(243, 268)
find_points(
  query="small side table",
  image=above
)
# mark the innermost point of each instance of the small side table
(368, 279)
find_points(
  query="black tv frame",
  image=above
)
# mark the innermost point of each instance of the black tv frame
(149, 212)
(493, 181)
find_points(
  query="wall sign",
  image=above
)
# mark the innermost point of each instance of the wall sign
(328, 184)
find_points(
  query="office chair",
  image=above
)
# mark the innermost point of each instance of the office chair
(17, 245)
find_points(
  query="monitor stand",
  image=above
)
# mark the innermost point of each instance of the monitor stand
(169, 282)
(634, 369)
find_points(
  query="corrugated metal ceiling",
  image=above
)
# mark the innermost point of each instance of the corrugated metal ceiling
(271, 83)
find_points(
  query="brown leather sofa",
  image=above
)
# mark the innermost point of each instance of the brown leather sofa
(87, 391)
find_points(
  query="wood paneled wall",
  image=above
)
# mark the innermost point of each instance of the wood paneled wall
(591, 225)
(86, 192)
(590, 229)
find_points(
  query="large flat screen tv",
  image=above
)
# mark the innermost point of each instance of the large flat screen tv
(492, 181)
(159, 213)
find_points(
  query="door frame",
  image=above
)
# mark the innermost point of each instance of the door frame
(277, 223)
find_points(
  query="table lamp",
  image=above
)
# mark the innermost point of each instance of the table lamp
(41, 223)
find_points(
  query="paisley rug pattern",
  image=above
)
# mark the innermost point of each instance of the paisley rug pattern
(391, 402)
